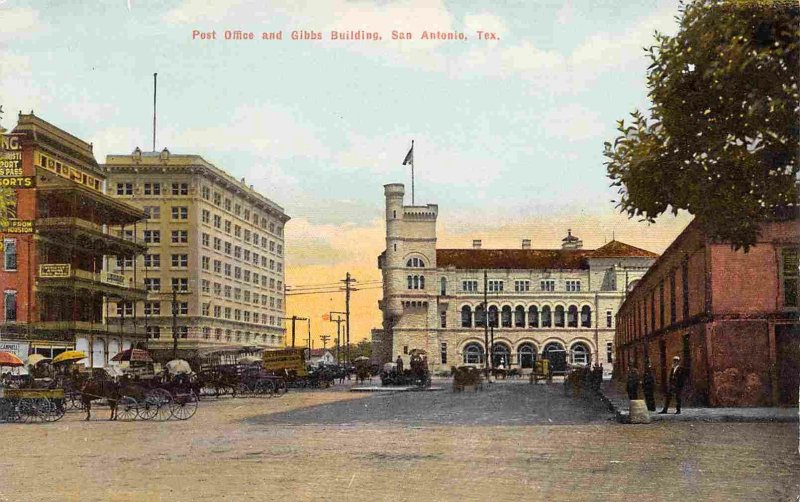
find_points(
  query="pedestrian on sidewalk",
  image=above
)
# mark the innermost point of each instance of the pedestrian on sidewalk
(649, 387)
(633, 384)
(677, 377)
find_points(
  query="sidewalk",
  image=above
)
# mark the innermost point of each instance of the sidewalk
(615, 396)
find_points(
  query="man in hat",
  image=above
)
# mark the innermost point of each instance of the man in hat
(648, 387)
(677, 376)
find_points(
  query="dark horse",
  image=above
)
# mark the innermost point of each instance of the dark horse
(100, 387)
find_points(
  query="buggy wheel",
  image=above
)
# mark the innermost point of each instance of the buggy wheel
(33, 410)
(74, 401)
(8, 411)
(161, 398)
(266, 388)
(184, 406)
(57, 410)
(127, 408)
(148, 409)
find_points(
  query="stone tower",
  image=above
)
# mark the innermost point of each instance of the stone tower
(410, 253)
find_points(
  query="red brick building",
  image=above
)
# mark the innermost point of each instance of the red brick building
(731, 316)
(55, 284)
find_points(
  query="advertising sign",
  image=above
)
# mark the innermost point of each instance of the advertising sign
(53, 270)
(18, 227)
(11, 156)
(19, 349)
(285, 359)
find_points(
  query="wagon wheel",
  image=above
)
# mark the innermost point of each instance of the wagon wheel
(73, 401)
(127, 408)
(281, 388)
(266, 388)
(56, 411)
(148, 409)
(242, 389)
(184, 406)
(8, 411)
(164, 400)
(33, 410)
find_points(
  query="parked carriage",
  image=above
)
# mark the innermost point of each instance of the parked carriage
(417, 374)
(29, 405)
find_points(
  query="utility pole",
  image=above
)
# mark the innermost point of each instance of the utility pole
(486, 322)
(347, 282)
(174, 323)
(309, 334)
(338, 322)
(325, 339)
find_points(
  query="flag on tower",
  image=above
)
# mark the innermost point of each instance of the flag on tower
(409, 156)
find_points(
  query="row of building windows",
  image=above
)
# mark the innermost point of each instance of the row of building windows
(127, 189)
(153, 308)
(154, 236)
(239, 211)
(520, 286)
(239, 233)
(526, 355)
(228, 335)
(559, 317)
(241, 253)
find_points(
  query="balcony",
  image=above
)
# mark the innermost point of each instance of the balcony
(111, 327)
(89, 236)
(110, 284)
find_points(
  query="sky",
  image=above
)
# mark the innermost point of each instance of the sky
(508, 132)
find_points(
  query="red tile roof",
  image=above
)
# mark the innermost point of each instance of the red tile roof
(534, 258)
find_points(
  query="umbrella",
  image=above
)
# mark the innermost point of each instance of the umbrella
(250, 360)
(360, 358)
(70, 355)
(178, 367)
(35, 359)
(9, 359)
(133, 355)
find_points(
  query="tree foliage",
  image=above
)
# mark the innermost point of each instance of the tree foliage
(721, 140)
(7, 198)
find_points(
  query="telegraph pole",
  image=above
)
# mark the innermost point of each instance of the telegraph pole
(486, 322)
(347, 282)
(338, 322)
(174, 323)
(325, 339)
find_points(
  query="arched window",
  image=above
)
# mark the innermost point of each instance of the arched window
(443, 287)
(555, 353)
(410, 282)
(527, 355)
(480, 316)
(422, 282)
(547, 318)
(501, 355)
(581, 354)
(416, 282)
(586, 317)
(466, 316)
(519, 317)
(415, 263)
(533, 316)
(493, 317)
(559, 317)
(572, 317)
(506, 317)
(473, 353)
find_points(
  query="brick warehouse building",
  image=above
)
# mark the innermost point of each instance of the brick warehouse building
(55, 285)
(731, 316)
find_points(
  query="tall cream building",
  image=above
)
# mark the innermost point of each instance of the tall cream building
(553, 303)
(213, 240)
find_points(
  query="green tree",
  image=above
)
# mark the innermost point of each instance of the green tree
(721, 139)
(7, 198)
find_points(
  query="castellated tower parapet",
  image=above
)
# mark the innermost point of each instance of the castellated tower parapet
(410, 234)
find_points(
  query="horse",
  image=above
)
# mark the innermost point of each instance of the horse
(363, 373)
(100, 388)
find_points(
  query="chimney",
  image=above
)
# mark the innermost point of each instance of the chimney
(526, 243)
(476, 244)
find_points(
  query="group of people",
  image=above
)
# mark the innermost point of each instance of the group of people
(677, 378)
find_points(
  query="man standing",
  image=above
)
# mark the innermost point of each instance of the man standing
(649, 386)
(399, 365)
(633, 384)
(676, 381)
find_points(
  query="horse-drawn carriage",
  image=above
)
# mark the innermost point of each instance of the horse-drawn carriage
(31, 405)
(541, 371)
(417, 375)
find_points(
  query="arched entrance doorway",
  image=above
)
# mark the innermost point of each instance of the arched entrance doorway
(501, 355)
(527, 355)
(473, 353)
(557, 355)
(581, 354)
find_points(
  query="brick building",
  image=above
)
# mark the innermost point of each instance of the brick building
(56, 287)
(732, 317)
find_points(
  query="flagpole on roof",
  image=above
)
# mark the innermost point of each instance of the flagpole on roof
(410, 160)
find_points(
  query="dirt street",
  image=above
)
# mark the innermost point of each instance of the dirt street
(510, 442)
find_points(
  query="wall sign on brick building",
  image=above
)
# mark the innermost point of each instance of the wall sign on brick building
(54, 270)
(18, 227)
